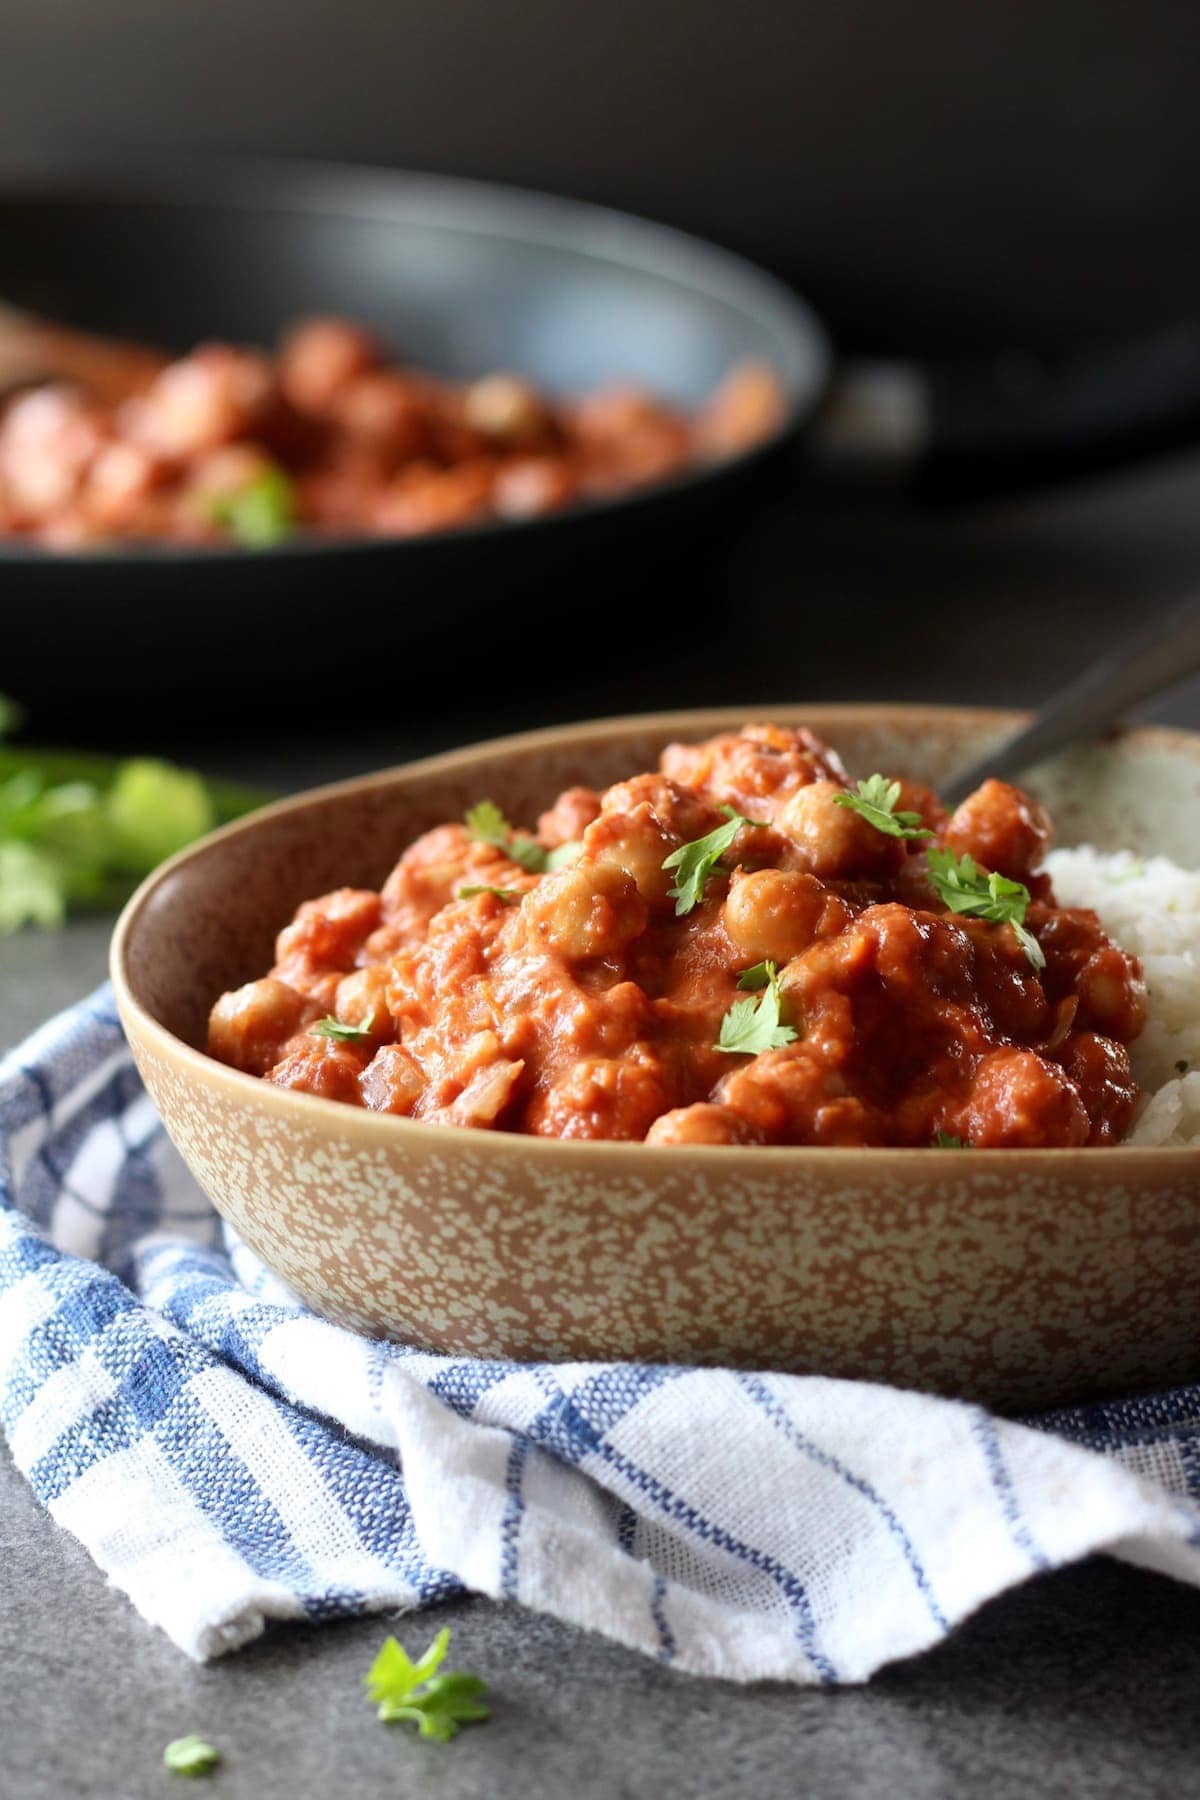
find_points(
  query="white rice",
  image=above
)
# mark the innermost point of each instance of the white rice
(1152, 907)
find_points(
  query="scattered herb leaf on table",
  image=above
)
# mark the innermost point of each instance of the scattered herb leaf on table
(80, 830)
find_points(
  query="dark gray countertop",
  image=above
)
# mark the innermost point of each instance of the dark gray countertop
(1081, 1683)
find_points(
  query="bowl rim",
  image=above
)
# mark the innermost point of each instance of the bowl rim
(508, 212)
(387, 1130)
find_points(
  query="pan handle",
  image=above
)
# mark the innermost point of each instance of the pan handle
(960, 432)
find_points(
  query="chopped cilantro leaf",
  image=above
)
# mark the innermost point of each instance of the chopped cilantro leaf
(964, 887)
(564, 854)
(415, 1693)
(507, 895)
(875, 801)
(261, 513)
(946, 1140)
(754, 1025)
(77, 830)
(191, 1756)
(344, 1034)
(488, 825)
(757, 977)
(693, 863)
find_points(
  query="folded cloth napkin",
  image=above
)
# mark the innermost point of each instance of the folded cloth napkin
(227, 1458)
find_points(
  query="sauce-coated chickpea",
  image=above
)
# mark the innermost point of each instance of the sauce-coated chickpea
(774, 914)
(248, 1027)
(590, 909)
(832, 840)
(703, 1123)
(1002, 828)
(319, 357)
(1019, 1100)
(637, 843)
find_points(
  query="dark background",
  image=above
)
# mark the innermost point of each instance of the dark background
(940, 178)
(937, 175)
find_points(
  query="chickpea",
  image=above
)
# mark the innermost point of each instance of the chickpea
(1003, 828)
(117, 485)
(48, 441)
(682, 814)
(362, 1000)
(600, 1097)
(380, 410)
(508, 411)
(533, 485)
(831, 840)
(328, 932)
(775, 914)
(637, 843)
(322, 1066)
(704, 1123)
(570, 816)
(754, 769)
(746, 408)
(1100, 1070)
(248, 1027)
(208, 398)
(319, 357)
(589, 909)
(1112, 994)
(1020, 1100)
(435, 499)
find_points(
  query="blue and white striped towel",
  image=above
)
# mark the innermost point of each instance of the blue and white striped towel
(227, 1458)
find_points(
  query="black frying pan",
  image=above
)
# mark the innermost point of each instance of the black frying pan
(456, 276)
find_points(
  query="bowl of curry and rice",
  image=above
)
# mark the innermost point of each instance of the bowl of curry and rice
(684, 1039)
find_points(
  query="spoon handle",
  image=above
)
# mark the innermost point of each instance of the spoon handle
(1169, 653)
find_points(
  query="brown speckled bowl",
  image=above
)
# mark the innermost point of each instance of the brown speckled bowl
(1018, 1277)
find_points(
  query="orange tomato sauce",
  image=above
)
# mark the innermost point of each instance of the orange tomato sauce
(577, 1002)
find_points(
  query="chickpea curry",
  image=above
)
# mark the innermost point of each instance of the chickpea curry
(228, 444)
(744, 947)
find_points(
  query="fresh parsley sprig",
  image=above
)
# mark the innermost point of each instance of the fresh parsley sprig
(750, 980)
(342, 1033)
(260, 513)
(693, 863)
(78, 830)
(488, 825)
(414, 1693)
(965, 888)
(507, 896)
(754, 1025)
(191, 1756)
(875, 801)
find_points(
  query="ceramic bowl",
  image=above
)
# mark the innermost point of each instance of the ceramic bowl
(1020, 1278)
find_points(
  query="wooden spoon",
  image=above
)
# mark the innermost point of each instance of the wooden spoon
(34, 351)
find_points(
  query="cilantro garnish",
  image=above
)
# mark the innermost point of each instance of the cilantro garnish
(507, 895)
(438, 1705)
(261, 513)
(77, 830)
(965, 888)
(488, 825)
(191, 1756)
(695, 862)
(875, 802)
(344, 1034)
(564, 854)
(946, 1140)
(757, 977)
(753, 1025)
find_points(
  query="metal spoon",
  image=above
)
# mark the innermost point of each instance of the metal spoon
(1165, 655)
